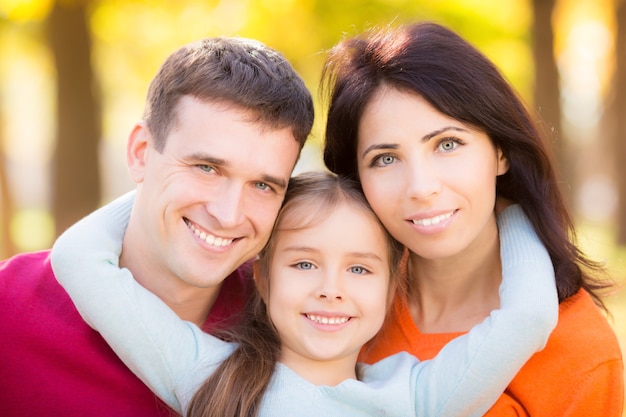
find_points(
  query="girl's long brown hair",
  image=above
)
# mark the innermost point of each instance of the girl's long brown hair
(237, 387)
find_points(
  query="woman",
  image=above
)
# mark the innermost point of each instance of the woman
(434, 134)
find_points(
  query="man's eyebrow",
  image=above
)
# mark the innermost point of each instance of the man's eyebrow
(278, 182)
(270, 179)
(208, 158)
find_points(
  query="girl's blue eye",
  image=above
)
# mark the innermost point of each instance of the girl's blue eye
(358, 270)
(304, 265)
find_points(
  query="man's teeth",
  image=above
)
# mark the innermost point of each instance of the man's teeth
(327, 320)
(433, 220)
(210, 239)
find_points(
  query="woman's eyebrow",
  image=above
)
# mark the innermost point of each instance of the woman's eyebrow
(438, 132)
(378, 146)
(425, 138)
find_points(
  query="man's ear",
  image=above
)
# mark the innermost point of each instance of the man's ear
(137, 151)
(503, 163)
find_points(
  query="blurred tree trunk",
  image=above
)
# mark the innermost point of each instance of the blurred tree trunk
(547, 92)
(6, 212)
(7, 248)
(619, 103)
(76, 179)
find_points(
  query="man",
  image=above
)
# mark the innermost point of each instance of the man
(224, 124)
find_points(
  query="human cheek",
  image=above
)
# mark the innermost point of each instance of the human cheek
(286, 299)
(373, 294)
(372, 184)
(375, 307)
(380, 196)
(262, 214)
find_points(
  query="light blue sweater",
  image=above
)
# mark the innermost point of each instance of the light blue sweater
(174, 357)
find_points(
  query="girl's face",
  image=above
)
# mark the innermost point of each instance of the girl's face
(328, 292)
(430, 178)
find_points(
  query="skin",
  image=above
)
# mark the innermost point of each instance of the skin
(328, 293)
(206, 204)
(431, 180)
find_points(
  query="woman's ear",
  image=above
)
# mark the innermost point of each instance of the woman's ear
(503, 163)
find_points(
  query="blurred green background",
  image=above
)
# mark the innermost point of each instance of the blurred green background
(74, 73)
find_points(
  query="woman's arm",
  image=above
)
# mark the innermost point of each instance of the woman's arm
(471, 372)
(161, 349)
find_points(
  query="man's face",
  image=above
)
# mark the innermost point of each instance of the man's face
(207, 203)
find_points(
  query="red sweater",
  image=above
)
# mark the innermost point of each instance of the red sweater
(53, 364)
(579, 373)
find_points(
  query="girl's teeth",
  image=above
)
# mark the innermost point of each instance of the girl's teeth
(327, 320)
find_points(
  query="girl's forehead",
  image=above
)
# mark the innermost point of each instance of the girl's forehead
(314, 212)
(342, 222)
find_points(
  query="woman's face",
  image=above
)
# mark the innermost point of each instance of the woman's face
(430, 178)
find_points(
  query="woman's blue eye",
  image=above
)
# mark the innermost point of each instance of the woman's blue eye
(448, 145)
(387, 159)
(382, 160)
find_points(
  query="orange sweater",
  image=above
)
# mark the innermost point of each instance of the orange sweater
(579, 373)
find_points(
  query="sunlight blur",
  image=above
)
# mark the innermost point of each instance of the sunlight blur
(24, 10)
(32, 229)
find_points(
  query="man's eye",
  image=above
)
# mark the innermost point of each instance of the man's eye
(206, 168)
(263, 186)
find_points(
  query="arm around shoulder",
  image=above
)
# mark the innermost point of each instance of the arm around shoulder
(469, 374)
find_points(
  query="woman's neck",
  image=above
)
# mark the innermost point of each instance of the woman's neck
(454, 294)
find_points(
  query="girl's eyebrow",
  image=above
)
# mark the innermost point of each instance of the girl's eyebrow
(307, 249)
(299, 249)
(425, 138)
(366, 255)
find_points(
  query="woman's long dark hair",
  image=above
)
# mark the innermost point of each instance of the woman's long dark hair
(459, 81)
(237, 387)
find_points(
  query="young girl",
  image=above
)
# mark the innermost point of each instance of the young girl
(325, 280)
